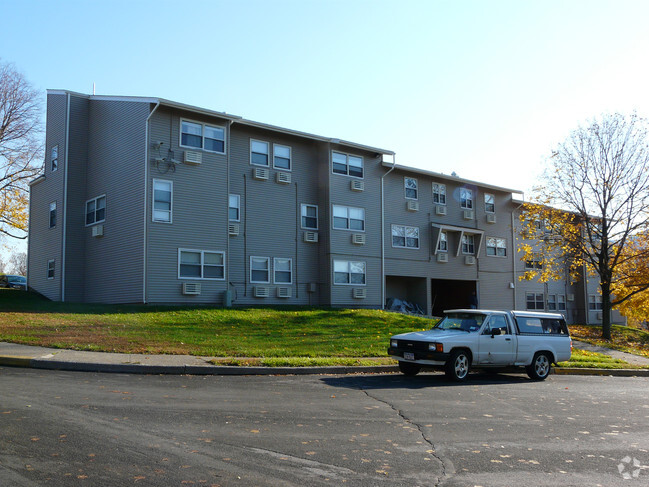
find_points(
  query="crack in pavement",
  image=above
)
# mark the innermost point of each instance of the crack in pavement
(447, 470)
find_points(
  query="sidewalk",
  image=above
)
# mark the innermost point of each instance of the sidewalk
(15, 355)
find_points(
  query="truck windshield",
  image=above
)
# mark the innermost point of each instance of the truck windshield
(468, 322)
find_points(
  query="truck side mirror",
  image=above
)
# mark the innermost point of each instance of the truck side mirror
(496, 331)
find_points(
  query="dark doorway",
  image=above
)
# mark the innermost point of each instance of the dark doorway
(449, 294)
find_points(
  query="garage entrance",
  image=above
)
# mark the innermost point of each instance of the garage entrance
(450, 294)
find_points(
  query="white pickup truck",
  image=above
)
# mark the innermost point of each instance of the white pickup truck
(474, 338)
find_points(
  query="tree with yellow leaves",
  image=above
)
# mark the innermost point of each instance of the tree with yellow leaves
(632, 279)
(593, 201)
(20, 149)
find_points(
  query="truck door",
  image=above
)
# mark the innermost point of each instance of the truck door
(496, 343)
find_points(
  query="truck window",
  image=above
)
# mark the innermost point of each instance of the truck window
(541, 326)
(497, 322)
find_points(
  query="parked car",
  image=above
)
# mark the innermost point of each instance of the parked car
(472, 338)
(15, 282)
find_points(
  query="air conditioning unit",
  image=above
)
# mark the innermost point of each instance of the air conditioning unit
(357, 185)
(358, 238)
(98, 231)
(191, 288)
(283, 178)
(359, 293)
(261, 292)
(468, 214)
(283, 292)
(491, 218)
(260, 173)
(469, 260)
(233, 229)
(440, 210)
(311, 237)
(412, 205)
(442, 257)
(193, 157)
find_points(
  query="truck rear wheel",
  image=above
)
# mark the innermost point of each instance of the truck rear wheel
(457, 367)
(407, 368)
(540, 366)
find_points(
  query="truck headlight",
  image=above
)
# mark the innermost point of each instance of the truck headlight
(394, 343)
(436, 347)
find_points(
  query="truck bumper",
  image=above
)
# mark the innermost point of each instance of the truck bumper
(430, 358)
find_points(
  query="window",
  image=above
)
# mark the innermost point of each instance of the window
(260, 269)
(439, 194)
(595, 302)
(405, 237)
(309, 217)
(410, 186)
(234, 205)
(258, 153)
(281, 157)
(468, 244)
(442, 246)
(51, 264)
(347, 218)
(349, 272)
(496, 247)
(52, 214)
(282, 271)
(535, 263)
(200, 264)
(162, 200)
(54, 158)
(95, 210)
(552, 302)
(561, 302)
(534, 301)
(466, 198)
(489, 203)
(347, 164)
(202, 136)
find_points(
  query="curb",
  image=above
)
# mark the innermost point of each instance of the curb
(610, 372)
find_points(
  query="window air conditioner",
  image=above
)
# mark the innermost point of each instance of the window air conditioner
(468, 214)
(233, 229)
(491, 218)
(192, 157)
(442, 257)
(261, 292)
(283, 178)
(357, 185)
(358, 238)
(359, 293)
(98, 231)
(412, 205)
(260, 173)
(440, 210)
(283, 292)
(191, 288)
(311, 237)
(469, 260)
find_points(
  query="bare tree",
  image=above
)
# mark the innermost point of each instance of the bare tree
(18, 263)
(20, 148)
(598, 179)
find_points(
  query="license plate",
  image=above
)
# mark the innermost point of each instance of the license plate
(409, 355)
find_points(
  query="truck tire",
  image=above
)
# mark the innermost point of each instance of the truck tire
(539, 369)
(409, 369)
(457, 367)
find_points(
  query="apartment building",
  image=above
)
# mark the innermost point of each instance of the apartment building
(146, 200)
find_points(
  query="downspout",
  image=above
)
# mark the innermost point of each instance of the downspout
(514, 251)
(146, 197)
(227, 299)
(394, 163)
(65, 198)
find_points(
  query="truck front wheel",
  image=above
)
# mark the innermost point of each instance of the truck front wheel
(539, 369)
(407, 368)
(457, 367)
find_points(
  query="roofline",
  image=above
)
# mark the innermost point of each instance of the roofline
(36, 180)
(227, 116)
(451, 178)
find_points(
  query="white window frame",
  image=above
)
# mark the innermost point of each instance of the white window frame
(290, 271)
(203, 136)
(54, 158)
(442, 245)
(552, 302)
(405, 229)
(51, 268)
(202, 264)
(267, 144)
(466, 198)
(414, 188)
(439, 190)
(561, 302)
(537, 298)
(267, 259)
(468, 244)
(349, 272)
(499, 244)
(534, 263)
(303, 209)
(290, 157)
(489, 202)
(237, 207)
(348, 218)
(348, 165)
(95, 221)
(171, 203)
(594, 302)
(52, 210)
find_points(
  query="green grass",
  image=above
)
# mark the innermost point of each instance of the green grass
(623, 338)
(592, 360)
(286, 335)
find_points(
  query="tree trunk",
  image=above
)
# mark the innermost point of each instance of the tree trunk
(606, 310)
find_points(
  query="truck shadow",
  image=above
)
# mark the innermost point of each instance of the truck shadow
(420, 381)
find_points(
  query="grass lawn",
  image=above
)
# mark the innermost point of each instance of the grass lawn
(623, 338)
(592, 360)
(278, 335)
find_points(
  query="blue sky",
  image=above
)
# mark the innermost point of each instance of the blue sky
(482, 88)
